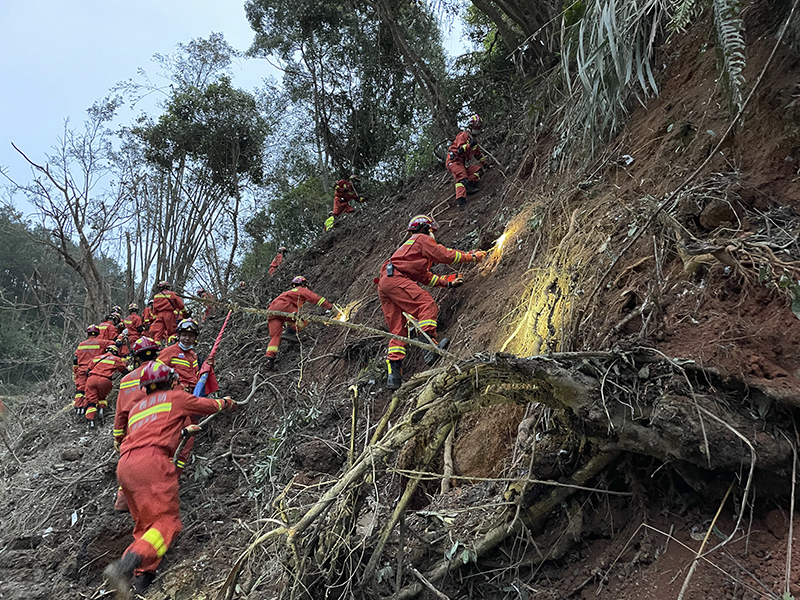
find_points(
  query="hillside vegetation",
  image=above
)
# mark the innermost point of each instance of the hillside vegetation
(616, 418)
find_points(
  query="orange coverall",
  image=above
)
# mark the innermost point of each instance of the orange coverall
(290, 301)
(132, 323)
(129, 394)
(168, 306)
(209, 308)
(464, 148)
(87, 350)
(276, 263)
(185, 364)
(99, 384)
(401, 292)
(343, 193)
(108, 331)
(148, 317)
(145, 471)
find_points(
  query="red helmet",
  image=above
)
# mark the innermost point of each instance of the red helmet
(93, 330)
(155, 372)
(189, 325)
(133, 306)
(200, 291)
(149, 302)
(355, 177)
(163, 284)
(143, 344)
(420, 222)
(116, 310)
(475, 123)
(299, 280)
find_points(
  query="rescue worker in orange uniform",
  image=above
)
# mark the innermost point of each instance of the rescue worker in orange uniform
(133, 324)
(209, 306)
(148, 478)
(99, 383)
(462, 150)
(182, 358)
(277, 261)
(87, 350)
(148, 315)
(343, 192)
(109, 328)
(168, 307)
(290, 302)
(399, 290)
(143, 351)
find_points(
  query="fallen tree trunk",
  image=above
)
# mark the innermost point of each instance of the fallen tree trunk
(636, 402)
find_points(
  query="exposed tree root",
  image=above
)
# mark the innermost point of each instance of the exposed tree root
(637, 402)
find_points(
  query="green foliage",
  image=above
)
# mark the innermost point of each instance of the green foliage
(218, 126)
(605, 58)
(730, 41)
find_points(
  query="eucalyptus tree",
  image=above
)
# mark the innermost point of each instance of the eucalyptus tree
(348, 66)
(192, 167)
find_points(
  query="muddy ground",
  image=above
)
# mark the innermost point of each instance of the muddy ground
(728, 312)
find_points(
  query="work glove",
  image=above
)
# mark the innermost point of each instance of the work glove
(191, 430)
(117, 445)
(454, 283)
(478, 255)
(229, 403)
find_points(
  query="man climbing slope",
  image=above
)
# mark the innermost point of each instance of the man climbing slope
(145, 471)
(463, 149)
(290, 301)
(399, 290)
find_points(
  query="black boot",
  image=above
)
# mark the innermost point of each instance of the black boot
(270, 365)
(472, 187)
(120, 573)
(395, 379)
(289, 335)
(143, 581)
(431, 357)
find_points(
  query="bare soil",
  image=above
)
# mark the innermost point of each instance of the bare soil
(58, 529)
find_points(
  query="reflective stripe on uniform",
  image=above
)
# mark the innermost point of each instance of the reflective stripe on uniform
(153, 537)
(124, 385)
(427, 323)
(321, 302)
(433, 280)
(180, 361)
(397, 350)
(458, 257)
(158, 408)
(272, 348)
(119, 432)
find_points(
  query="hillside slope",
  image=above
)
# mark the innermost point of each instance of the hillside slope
(646, 436)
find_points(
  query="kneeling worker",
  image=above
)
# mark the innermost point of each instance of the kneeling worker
(290, 302)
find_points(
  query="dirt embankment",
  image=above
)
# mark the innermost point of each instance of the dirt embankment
(707, 285)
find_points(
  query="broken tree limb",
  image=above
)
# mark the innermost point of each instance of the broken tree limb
(534, 517)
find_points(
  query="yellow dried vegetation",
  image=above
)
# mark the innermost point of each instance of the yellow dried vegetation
(543, 312)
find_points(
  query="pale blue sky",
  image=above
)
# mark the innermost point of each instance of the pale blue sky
(57, 57)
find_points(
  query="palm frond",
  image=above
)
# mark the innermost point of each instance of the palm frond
(682, 13)
(730, 38)
(610, 50)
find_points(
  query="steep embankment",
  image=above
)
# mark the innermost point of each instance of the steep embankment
(702, 284)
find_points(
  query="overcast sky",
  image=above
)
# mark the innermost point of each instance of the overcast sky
(58, 56)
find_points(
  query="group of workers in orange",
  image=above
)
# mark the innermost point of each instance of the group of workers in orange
(404, 272)
(155, 407)
(155, 404)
